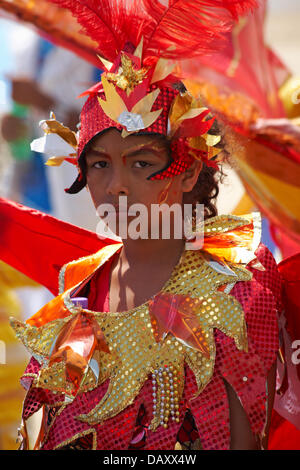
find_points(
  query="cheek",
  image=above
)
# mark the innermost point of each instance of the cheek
(165, 192)
(95, 189)
(174, 195)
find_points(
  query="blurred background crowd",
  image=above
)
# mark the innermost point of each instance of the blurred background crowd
(37, 77)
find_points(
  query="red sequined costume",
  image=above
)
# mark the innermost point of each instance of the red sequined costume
(261, 294)
(203, 422)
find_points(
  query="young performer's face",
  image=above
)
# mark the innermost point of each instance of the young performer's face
(118, 166)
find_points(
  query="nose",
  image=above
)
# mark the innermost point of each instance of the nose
(117, 185)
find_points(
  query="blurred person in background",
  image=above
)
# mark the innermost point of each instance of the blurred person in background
(37, 68)
(45, 77)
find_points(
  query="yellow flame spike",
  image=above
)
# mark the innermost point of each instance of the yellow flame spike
(149, 118)
(145, 104)
(162, 70)
(192, 113)
(197, 143)
(180, 105)
(56, 161)
(212, 140)
(56, 127)
(139, 50)
(114, 105)
(215, 151)
(107, 64)
(107, 108)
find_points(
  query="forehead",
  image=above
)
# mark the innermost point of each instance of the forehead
(112, 139)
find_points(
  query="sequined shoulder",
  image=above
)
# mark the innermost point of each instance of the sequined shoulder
(76, 270)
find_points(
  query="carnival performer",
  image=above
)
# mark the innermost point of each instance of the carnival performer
(151, 343)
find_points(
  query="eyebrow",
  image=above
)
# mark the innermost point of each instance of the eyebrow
(97, 152)
(149, 146)
(152, 146)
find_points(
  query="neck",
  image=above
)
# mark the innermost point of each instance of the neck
(152, 252)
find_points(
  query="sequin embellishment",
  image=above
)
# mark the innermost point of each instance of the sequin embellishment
(136, 354)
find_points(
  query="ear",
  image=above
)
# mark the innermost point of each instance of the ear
(190, 176)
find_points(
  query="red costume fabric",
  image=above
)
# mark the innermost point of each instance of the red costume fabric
(206, 417)
(55, 243)
(38, 244)
(285, 430)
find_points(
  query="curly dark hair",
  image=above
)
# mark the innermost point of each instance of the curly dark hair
(206, 189)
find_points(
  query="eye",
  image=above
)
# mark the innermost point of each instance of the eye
(100, 164)
(141, 164)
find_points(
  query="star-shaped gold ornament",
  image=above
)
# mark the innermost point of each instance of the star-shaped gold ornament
(128, 77)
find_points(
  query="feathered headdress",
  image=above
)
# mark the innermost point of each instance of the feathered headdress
(137, 40)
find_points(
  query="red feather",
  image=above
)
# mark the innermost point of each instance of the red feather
(110, 23)
(186, 28)
(180, 29)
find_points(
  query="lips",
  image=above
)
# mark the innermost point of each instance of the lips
(121, 208)
(116, 208)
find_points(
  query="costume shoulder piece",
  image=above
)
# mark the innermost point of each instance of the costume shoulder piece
(76, 271)
(80, 351)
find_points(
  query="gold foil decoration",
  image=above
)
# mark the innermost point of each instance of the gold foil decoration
(162, 70)
(52, 126)
(200, 143)
(107, 64)
(135, 352)
(129, 78)
(57, 161)
(144, 106)
(139, 50)
(114, 105)
(183, 107)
